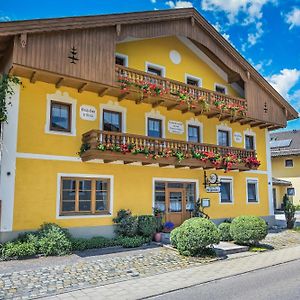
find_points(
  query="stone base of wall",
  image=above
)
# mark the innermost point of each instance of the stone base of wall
(106, 231)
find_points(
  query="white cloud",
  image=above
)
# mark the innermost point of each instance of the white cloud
(252, 8)
(5, 19)
(261, 64)
(293, 18)
(254, 37)
(284, 81)
(179, 4)
(225, 35)
(153, 1)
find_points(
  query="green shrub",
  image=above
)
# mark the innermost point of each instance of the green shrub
(248, 230)
(147, 225)
(289, 212)
(126, 224)
(173, 236)
(18, 249)
(54, 240)
(132, 242)
(224, 229)
(194, 235)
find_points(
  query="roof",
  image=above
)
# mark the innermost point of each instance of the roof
(9, 29)
(285, 143)
(277, 181)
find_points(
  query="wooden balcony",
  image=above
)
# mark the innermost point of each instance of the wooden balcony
(130, 148)
(160, 91)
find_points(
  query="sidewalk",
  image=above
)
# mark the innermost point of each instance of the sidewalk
(162, 283)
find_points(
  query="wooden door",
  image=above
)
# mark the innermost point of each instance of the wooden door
(175, 205)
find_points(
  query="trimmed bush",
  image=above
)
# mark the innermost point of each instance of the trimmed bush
(127, 225)
(54, 240)
(224, 229)
(132, 242)
(248, 230)
(147, 225)
(18, 249)
(194, 235)
(173, 237)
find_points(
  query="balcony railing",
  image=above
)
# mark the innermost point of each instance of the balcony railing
(175, 94)
(113, 146)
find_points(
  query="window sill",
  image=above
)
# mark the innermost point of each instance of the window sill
(60, 132)
(84, 216)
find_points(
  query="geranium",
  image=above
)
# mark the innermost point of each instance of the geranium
(229, 161)
(252, 162)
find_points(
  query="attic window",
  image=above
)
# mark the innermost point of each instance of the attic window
(155, 69)
(220, 88)
(192, 80)
(121, 59)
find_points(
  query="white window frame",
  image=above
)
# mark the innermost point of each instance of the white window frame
(155, 114)
(224, 127)
(61, 98)
(230, 180)
(291, 187)
(256, 181)
(113, 106)
(194, 122)
(124, 56)
(288, 166)
(222, 86)
(198, 79)
(162, 68)
(250, 133)
(58, 195)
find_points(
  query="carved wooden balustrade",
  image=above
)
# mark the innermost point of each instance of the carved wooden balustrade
(170, 96)
(113, 146)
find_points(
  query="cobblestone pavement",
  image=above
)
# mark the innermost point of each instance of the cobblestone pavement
(285, 238)
(38, 282)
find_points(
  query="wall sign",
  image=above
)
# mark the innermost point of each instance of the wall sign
(205, 202)
(213, 189)
(88, 112)
(238, 138)
(175, 127)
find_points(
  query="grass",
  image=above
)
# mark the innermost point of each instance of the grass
(297, 229)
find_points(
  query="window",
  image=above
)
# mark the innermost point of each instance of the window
(121, 59)
(226, 191)
(112, 121)
(252, 191)
(84, 196)
(193, 133)
(289, 163)
(220, 88)
(60, 116)
(154, 127)
(223, 138)
(249, 142)
(155, 69)
(192, 80)
(290, 191)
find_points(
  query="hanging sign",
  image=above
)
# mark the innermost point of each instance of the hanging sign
(213, 189)
(238, 138)
(88, 112)
(175, 127)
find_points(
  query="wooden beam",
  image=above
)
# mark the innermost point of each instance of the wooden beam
(103, 92)
(255, 124)
(222, 118)
(173, 106)
(184, 111)
(275, 127)
(236, 119)
(157, 103)
(122, 96)
(118, 29)
(212, 115)
(179, 166)
(265, 126)
(194, 167)
(82, 88)
(33, 77)
(108, 160)
(59, 82)
(127, 162)
(147, 163)
(246, 122)
(139, 101)
(164, 165)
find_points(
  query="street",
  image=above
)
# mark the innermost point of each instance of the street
(278, 282)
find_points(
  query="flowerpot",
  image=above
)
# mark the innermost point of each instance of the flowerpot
(157, 237)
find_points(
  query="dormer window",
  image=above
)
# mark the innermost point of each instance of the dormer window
(121, 59)
(220, 88)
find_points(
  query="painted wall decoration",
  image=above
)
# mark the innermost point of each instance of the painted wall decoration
(88, 112)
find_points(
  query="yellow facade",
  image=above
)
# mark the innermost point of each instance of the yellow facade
(291, 174)
(42, 156)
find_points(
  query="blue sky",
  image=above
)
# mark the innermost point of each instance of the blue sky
(266, 32)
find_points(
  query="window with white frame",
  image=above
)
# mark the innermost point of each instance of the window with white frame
(249, 142)
(223, 137)
(121, 59)
(155, 69)
(226, 193)
(193, 80)
(220, 88)
(252, 191)
(290, 191)
(289, 163)
(194, 134)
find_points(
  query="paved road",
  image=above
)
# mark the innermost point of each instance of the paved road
(278, 282)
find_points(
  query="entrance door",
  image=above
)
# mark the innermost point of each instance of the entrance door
(175, 206)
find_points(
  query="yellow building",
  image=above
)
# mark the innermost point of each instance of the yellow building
(161, 108)
(285, 152)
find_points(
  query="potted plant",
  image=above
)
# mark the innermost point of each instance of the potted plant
(158, 213)
(168, 227)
